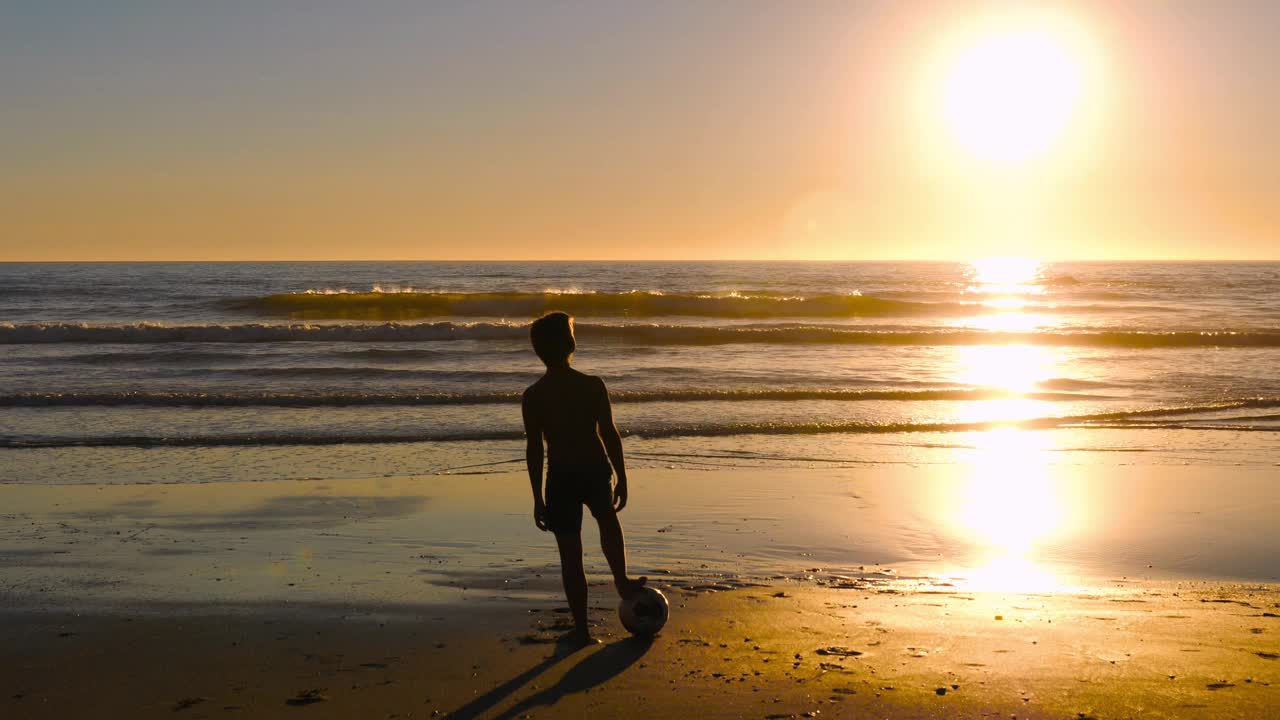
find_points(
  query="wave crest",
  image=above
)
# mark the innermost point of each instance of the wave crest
(638, 334)
(411, 305)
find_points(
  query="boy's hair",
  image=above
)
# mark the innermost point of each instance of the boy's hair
(552, 336)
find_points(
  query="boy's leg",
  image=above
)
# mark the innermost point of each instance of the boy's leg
(575, 578)
(615, 551)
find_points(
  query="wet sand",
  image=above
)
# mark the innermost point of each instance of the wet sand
(933, 591)
(470, 538)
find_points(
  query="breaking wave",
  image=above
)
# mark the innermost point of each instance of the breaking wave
(637, 334)
(411, 305)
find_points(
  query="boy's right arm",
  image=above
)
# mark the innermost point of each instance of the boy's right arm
(533, 459)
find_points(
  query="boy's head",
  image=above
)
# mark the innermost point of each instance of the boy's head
(552, 336)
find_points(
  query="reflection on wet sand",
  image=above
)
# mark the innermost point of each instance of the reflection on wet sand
(1009, 506)
(1008, 510)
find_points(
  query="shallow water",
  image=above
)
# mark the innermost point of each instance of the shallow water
(1020, 522)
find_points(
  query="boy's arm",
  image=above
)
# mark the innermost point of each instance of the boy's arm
(533, 459)
(613, 447)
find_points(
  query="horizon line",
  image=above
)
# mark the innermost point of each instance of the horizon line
(653, 261)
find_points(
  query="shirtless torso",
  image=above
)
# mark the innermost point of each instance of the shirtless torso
(570, 409)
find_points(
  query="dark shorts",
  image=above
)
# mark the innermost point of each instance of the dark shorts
(569, 488)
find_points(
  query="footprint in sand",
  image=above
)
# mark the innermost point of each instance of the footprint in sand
(307, 697)
(838, 651)
(536, 639)
(185, 703)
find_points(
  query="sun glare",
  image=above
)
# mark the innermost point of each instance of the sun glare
(1010, 89)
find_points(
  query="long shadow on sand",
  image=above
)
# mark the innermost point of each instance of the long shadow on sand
(595, 669)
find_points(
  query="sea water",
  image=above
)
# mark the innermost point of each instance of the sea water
(199, 372)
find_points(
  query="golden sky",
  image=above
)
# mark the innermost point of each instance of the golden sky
(651, 131)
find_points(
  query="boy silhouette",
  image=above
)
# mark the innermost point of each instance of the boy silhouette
(571, 412)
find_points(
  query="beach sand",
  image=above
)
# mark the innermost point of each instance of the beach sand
(859, 593)
(766, 652)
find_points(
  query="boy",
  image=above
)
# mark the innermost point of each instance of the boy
(571, 412)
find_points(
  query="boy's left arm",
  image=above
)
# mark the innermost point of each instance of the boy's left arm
(613, 447)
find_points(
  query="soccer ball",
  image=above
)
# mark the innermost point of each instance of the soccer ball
(645, 613)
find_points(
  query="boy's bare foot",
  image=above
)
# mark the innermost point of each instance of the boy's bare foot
(632, 586)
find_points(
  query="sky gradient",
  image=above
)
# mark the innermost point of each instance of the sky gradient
(381, 130)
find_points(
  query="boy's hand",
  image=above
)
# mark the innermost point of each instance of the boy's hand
(619, 495)
(540, 515)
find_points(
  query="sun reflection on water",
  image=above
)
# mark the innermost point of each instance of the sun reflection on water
(1005, 286)
(1005, 276)
(1010, 321)
(1014, 368)
(1008, 506)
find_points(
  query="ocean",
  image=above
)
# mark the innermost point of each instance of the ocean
(197, 372)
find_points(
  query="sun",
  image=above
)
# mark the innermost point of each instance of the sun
(1009, 90)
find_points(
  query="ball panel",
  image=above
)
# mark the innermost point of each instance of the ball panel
(645, 613)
